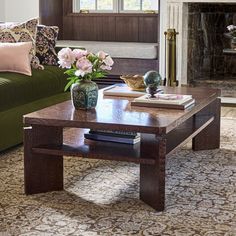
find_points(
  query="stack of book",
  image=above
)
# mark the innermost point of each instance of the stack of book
(122, 91)
(113, 136)
(125, 91)
(172, 101)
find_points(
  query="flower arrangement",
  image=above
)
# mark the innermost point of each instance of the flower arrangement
(84, 65)
(232, 31)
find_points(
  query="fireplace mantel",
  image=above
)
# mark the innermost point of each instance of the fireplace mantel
(174, 14)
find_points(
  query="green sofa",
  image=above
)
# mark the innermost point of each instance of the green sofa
(20, 94)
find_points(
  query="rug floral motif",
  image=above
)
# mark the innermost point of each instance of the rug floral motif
(102, 197)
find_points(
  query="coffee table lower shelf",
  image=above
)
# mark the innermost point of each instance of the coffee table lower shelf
(76, 145)
(105, 152)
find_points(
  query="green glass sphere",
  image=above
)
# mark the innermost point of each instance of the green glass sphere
(152, 78)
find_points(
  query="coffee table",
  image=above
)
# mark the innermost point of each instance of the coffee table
(162, 132)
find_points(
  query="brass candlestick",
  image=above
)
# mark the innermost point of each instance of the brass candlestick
(171, 57)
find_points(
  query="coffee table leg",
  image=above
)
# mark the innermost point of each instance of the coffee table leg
(209, 138)
(42, 173)
(152, 177)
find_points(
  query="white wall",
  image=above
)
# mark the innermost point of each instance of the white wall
(2, 10)
(20, 10)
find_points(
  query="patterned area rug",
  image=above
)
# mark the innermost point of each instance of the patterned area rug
(102, 197)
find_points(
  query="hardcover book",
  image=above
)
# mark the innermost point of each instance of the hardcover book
(122, 91)
(170, 106)
(123, 134)
(109, 138)
(172, 101)
(164, 98)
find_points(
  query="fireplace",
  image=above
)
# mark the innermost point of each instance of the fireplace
(211, 61)
(203, 55)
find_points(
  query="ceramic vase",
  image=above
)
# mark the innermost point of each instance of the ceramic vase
(84, 95)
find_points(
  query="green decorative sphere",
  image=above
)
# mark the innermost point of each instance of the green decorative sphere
(152, 78)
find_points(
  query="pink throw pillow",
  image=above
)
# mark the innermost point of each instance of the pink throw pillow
(15, 57)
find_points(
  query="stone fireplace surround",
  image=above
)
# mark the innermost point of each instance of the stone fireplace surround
(174, 14)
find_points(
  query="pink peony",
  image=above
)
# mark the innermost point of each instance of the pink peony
(101, 55)
(231, 27)
(108, 61)
(66, 58)
(84, 67)
(105, 67)
(80, 53)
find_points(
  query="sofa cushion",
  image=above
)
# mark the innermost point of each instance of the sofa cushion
(21, 32)
(15, 57)
(115, 49)
(45, 44)
(18, 89)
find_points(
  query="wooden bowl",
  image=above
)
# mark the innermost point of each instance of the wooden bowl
(134, 82)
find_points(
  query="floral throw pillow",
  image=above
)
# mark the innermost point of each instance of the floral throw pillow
(21, 32)
(45, 44)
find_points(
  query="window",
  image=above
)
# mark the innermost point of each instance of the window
(115, 5)
(139, 5)
(94, 5)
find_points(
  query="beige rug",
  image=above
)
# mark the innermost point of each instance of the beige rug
(102, 197)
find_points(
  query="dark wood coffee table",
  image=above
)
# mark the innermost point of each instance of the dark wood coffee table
(162, 131)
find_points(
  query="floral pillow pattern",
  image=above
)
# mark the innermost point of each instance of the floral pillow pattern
(45, 44)
(21, 32)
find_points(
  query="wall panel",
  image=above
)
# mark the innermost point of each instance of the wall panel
(127, 29)
(51, 13)
(100, 27)
(148, 29)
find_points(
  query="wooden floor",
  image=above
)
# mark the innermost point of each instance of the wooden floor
(229, 112)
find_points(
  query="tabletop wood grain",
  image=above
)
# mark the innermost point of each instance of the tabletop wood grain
(117, 113)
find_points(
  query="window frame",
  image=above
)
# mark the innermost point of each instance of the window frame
(121, 8)
(118, 7)
(78, 10)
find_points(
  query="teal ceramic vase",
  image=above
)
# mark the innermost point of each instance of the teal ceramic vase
(84, 95)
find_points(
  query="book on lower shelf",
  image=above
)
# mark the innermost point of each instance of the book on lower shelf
(173, 101)
(113, 136)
